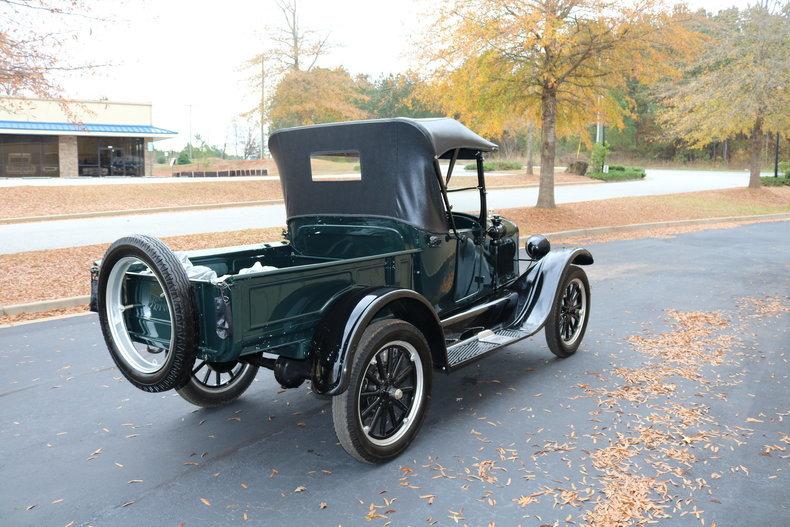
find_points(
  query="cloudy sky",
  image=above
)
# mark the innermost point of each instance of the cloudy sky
(183, 53)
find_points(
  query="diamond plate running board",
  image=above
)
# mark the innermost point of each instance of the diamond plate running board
(485, 342)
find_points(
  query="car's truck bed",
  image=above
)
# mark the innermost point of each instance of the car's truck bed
(273, 311)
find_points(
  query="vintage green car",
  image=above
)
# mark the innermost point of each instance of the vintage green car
(378, 284)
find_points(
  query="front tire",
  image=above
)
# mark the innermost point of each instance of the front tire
(382, 410)
(216, 384)
(568, 318)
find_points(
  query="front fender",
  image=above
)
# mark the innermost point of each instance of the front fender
(538, 287)
(338, 333)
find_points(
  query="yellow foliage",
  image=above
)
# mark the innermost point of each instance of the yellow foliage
(740, 84)
(317, 96)
(497, 59)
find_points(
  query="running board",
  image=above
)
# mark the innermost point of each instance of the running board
(485, 342)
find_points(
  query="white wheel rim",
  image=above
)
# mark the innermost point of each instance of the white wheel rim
(134, 358)
(203, 374)
(410, 418)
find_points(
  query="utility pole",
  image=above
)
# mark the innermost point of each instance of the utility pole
(598, 124)
(263, 104)
(189, 144)
(776, 156)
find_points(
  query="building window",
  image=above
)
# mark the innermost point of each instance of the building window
(28, 156)
(110, 156)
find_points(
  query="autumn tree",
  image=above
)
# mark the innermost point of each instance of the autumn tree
(739, 85)
(320, 95)
(32, 35)
(288, 47)
(395, 95)
(558, 59)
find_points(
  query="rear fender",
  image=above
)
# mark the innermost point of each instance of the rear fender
(539, 286)
(337, 335)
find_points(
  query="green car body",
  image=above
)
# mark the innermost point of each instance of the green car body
(388, 245)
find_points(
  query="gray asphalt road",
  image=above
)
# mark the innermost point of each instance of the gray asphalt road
(22, 237)
(81, 445)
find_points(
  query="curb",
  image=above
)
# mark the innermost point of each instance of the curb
(47, 305)
(45, 319)
(154, 210)
(44, 305)
(186, 208)
(660, 224)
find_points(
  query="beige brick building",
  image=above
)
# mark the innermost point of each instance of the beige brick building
(46, 138)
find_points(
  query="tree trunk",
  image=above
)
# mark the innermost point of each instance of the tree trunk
(548, 147)
(530, 164)
(756, 153)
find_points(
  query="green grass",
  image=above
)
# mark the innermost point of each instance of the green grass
(493, 166)
(770, 181)
(619, 173)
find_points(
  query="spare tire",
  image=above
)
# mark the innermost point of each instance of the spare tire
(147, 361)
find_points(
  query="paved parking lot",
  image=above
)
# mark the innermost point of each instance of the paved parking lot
(519, 438)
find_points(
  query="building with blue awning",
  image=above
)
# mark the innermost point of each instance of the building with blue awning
(48, 138)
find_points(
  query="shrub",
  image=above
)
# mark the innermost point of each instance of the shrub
(784, 167)
(491, 166)
(616, 168)
(578, 167)
(598, 155)
(183, 158)
(770, 181)
(627, 173)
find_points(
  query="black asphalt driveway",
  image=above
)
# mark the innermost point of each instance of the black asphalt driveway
(627, 428)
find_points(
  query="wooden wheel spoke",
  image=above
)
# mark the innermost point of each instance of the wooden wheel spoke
(369, 409)
(198, 367)
(402, 406)
(391, 412)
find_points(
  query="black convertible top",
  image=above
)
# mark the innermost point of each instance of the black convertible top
(398, 178)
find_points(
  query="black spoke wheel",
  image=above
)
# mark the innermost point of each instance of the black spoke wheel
(389, 385)
(217, 383)
(568, 318)
(383, 408)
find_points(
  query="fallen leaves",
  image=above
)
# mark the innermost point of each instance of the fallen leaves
(373, 510)
(523, 501)
(429, 498)
(484, 469)
(456, 516)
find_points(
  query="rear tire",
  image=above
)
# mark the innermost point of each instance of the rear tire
(176, 367)
(389, 391)
(217, 384)
(569, 315)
